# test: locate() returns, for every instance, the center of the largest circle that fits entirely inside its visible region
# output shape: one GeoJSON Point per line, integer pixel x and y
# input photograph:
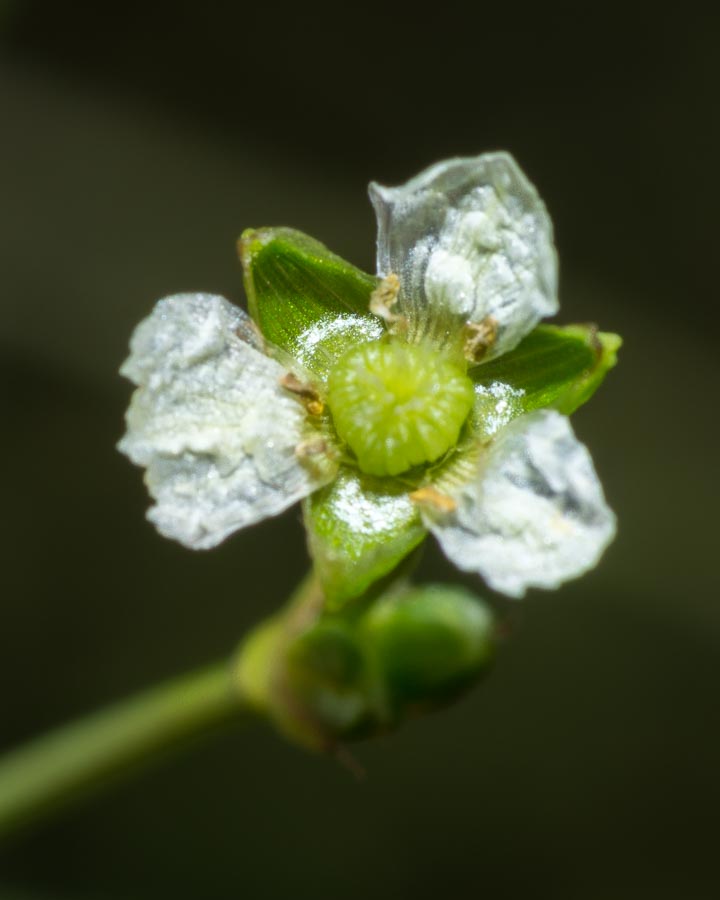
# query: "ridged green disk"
{"type": "Point", "coordinates": [397, 405]}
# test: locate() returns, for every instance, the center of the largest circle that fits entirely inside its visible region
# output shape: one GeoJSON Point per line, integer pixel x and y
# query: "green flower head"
{"type": "Point", "coordinates": [427, 398]}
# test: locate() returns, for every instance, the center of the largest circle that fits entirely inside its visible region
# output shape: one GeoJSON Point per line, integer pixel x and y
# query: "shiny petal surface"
{"type": "Point", "coordinates": [534, 515]}
{"type": "Point", "coordinates": [211, 423]}
{"type": "Point", "coordinates": [471, 241]}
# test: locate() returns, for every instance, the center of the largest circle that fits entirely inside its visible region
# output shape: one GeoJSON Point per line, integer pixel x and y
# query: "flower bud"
{"type": "Point", "coordinates": [323, 678]}
{"type": "Point", "coordinates": [326, 670]}
{"type": "Point", "coordinates": [428, 644]}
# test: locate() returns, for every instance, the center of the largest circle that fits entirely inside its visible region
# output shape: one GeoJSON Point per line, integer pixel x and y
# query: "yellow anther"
{"type": "Point", "coordinates": [431, 498]}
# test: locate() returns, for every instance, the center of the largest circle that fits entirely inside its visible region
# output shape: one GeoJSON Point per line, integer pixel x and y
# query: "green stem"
{"type": "Point", "coordinates": [47, 773]}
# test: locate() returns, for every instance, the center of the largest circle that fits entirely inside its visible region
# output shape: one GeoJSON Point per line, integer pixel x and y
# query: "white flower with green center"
{"type": "Point", "coordinates": [425, 399]}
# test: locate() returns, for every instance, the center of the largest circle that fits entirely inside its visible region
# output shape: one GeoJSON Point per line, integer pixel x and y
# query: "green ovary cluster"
{"type": "Point", "coordinates": [397, 405]}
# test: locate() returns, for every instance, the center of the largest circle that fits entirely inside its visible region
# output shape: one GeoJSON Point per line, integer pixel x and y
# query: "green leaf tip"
{"type": "Point", "coordinates": [558, 367]}
{"type": "Point", "coordinates": [603, 345]}
{"type": "Point", "coordinates": [306, 300]}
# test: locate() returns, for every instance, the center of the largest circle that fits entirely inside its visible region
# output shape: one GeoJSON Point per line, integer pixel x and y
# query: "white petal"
{"type": "Point", "coordinates": [211, 423]}
{"type": "Point", "coordinates": [468, 238]}
{"type": "Point", "coordinates": [535, 514]}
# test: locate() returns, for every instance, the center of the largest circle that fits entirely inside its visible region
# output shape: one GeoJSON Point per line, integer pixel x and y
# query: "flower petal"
{"type": "Point", "coordinates": [471, 241]}
{"type": "Point", "coordinates": [213, 426]}
{"type": "Point", "coordinates": [534, 515]}
{"type": "Point", "coordinates": [306, 300]}
{"type": "Point", "coordinates": [359, 528]}
{"type": "Point", "coordinates": [552, 367]}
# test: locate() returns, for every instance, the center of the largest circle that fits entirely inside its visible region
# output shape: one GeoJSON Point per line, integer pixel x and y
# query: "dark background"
{"type": "Point", "coordinates": [136, 141]}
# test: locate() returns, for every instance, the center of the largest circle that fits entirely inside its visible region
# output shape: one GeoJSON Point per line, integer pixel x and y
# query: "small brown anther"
{"type": "Point", "coordinates": [382, 300]}
{"type": "Point", "coordinates": [479, 338]}
{"type": "Point", "coordinates": [307, 393]}
{"type": "Point", "coordinates": [311, 447]}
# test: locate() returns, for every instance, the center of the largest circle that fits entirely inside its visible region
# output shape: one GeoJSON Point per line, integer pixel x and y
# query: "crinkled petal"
{"type": "Point", "coordinates": [213, 426]}
{"type": "Point", "coordinates": [471, 241]}
{"type": "Point", "coordinates": [534, 515]}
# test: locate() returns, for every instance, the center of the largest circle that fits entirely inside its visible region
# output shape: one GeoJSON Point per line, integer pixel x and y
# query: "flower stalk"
{"type": "Point", "coordinates": [57, 769]}
{"type": "Point", "coordinates": [65, 765]}
{"type": "Point", "coordinates": [321, 679]}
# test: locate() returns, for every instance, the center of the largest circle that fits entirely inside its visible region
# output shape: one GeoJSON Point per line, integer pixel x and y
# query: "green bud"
{"type": "Point", "coordinates": [326, 669]}
{"type": "Point", "coordinates": [306, 672]}
{"type": "Point", "coordinates": [328, 652]}
{"type": "Point", "coordinates": [429, 644]}
{"type": "Point", "coordinates": [323, 678]}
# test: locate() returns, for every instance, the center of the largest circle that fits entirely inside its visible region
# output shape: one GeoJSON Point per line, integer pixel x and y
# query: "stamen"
{"type": "Point", "coordinates": [479, 338]}
{"type": "Point", "coordinates": [382, 300]}
{"type": "Point", "coordinates": [432, 498]}
{"type": "Point", "coordinates": [307, 393]}
{"type": "Point", "coordinates": [311, 447]}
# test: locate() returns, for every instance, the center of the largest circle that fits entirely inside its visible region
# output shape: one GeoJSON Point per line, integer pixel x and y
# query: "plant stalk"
{"type": "Point", "coordinates": [47, 773]}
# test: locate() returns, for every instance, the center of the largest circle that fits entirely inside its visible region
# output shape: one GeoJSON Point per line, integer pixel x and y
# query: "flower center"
{"type": "Point", "coordinates": [397, 405]}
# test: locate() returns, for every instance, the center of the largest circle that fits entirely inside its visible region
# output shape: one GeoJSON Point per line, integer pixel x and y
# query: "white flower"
{"type": "Point", "coordinates": [229, 438]}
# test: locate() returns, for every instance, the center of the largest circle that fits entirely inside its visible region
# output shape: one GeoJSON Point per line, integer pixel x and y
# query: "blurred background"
{"type": "Point", "coordinates": [136, 141]}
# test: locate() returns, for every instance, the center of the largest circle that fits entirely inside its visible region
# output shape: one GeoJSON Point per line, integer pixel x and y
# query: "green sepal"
{"type": "Point", "coordinates": [359, 529]}
{"type": "Point", "coordinates": [553, 367]}
{"type": "Point", "coordinates": [306, 300]}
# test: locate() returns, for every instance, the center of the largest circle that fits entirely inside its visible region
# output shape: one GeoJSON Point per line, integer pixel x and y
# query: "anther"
{"type": "Point", "coordinates": [431, 498]}
{"type": "Point", "coordinates": [479, 338]}
{"type": "Point", "coordinates": [382, 300]}
{"type": "Point", "coordinates": [311, 447]}
{"type": "Point", "coordinates": [307, 393]}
